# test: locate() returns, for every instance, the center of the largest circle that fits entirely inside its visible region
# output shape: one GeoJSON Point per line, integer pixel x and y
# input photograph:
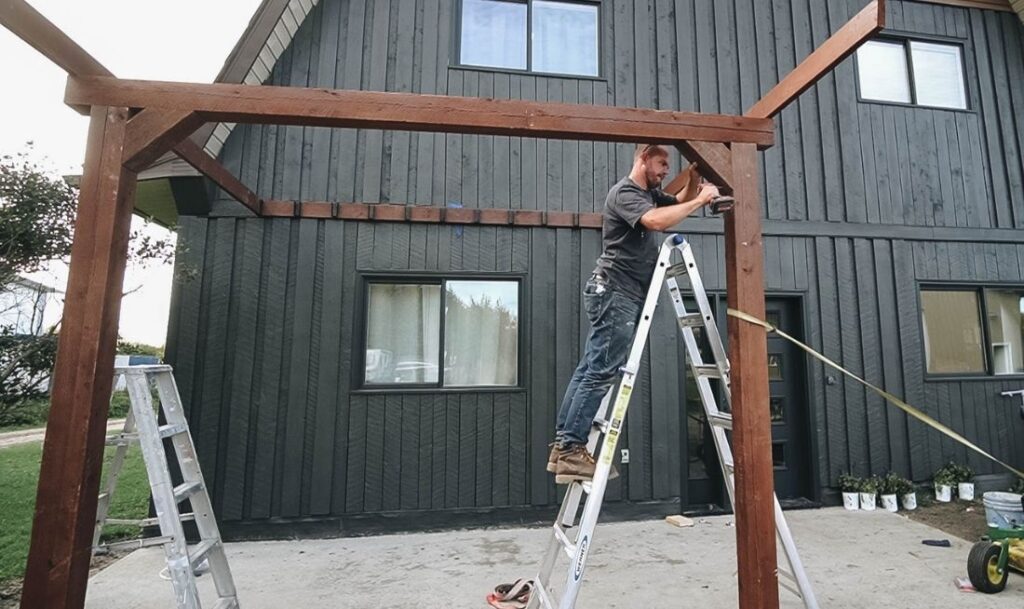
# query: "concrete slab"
{"type": "Point", "coordinates": [859, 559]}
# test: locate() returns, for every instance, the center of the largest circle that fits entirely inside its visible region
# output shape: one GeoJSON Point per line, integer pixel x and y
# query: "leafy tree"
{"type": "Point", "coordinates": [37, 212]}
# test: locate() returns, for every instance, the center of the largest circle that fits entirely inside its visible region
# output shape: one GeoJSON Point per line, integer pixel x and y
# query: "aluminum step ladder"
{"type": "Point", "coordinates": [576, 544]}
{"type": "Point", "coordinates": [184, 562]}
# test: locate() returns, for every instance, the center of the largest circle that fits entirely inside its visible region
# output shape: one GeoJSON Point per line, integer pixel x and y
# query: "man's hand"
{"type": "Point", "coordinates": [708, 193]}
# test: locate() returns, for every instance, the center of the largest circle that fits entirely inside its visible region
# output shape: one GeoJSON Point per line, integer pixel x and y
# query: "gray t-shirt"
{"type": "Point", "coordinates": [630, 251]}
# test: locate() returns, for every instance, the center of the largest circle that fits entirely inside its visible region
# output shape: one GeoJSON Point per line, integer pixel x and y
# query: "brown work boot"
{"type": "Point", "coordinates": [575, 463]}
{"type": "Point", "coordinates": [553, 457]}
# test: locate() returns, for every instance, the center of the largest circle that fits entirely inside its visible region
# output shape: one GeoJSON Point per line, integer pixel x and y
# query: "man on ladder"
{"type": "Point", "coordinates": [614, 295]}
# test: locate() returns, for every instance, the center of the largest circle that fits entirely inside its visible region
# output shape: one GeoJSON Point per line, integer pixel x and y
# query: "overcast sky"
{"type": "Point", "coordinates": [186, 40]}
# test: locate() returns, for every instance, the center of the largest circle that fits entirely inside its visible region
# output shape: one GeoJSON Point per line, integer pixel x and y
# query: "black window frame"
{"type": "Point", "coordinates": [978, 288]}
{"type": "Point", "coordinates": [905, 40]}
{"type": "Point", "coordinates": [457, 42]}
{"type": "Point", "coordinates": [440, 279]}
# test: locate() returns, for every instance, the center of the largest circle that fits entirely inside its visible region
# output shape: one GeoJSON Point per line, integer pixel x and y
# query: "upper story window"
{"type": "Point", "coordinates": [442, 333]}
{"type": "Point", "coordinates": [973, 330]}
{"type": "Point", "coordinates": [531, 35]}
{"type": "Point", "coordinates": [912, 72]}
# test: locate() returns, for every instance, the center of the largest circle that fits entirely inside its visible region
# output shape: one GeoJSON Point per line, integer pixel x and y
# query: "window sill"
{"type": "Point", "coordinates": [958, 378]}
{"type": "Point", "coordinates": [880, 102]}
{"type": "Point", "coordinates": [526, 73]}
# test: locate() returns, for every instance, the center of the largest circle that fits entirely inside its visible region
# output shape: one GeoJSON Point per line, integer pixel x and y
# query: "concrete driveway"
{"type": "Point", "coordinates": [860, 559]}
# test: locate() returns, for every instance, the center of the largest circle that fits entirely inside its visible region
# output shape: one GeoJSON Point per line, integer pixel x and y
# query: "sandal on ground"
{"type": "Point", "coordinates": [511, 596]}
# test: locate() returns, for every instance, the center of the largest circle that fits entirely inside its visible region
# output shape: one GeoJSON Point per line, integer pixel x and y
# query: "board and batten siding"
{"type": "Point", "coordinates": [266, 325]}
{"type": "Point", "coordinates": [836, 159]}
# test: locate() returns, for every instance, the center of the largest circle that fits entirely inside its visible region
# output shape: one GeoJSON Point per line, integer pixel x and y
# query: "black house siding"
{"type": "Point", "coordinates": [863, 203]}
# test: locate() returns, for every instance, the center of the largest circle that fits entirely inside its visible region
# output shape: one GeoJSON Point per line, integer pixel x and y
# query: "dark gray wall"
{"type": "Point", "coordinates": [837, 159]}
{"type": "Point", "coordinates": [856, 196]}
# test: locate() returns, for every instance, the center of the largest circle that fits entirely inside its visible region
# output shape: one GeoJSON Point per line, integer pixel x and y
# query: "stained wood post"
{"type": "Point", "coordinates": [748, 354]}
{"type": "Point", "coordinates": [69, 479]}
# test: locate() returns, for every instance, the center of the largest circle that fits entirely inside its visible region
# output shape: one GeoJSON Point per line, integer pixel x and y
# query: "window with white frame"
{"type": "Point", "coordinates": [912, 72]}
{"type": "Point", "coordinates": [531, 35]}
{"type": "Point", "coordinates": [973, 330]}
{"type": "Point", "coordinates": [469, 325]}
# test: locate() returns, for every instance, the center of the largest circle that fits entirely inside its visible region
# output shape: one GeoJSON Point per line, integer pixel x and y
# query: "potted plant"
{"type": "Point", "coordinates": [868, 488]}
{"type": "Point", "coordinates": [850, 486]}
{"type": "Point", "coordinates": [944, 481]}
{"type": "Point", "coordinates": [889, 488]}
{"type": "Point", "coordinates": [964, 481]}
{"type": "Point", "coordinates": [907, 494]}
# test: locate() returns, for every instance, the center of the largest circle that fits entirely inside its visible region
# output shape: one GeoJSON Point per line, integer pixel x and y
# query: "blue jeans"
{"type": "Point", "coordinates": [613, 316]}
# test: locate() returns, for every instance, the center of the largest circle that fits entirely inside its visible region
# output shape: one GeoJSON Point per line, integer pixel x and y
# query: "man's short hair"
{"type": "Point", "coordinates": [648, 150]}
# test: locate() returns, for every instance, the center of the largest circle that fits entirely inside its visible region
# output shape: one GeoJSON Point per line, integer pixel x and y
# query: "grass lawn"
{"type": "Point", "coordinates": [19, 471]}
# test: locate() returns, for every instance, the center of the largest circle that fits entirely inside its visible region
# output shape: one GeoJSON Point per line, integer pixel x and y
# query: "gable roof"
{"type": "Point", "coordinates": [1018, 5]}
{"type": "Point", "coordinates": [268, 34]}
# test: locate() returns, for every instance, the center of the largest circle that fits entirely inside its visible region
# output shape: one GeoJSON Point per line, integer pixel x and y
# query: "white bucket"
{"type": "Point", "coordinates": [1003, 510]}
{"type": "Point", "coordinates": [943, 493]}
{"type": "Point", "coordinates": [910, 501]}
{"type": "Point", "coordinates": [890, 503]}
{"type": "Point", "coordinates": [965, 490]}
{"type": "Point", "coordinates": [850, 501]}
{"type": "Point", "coordinates": [867, 501]}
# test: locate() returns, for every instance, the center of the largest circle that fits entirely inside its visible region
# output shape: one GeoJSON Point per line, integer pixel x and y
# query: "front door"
{"type": "Point", "coordinates": [787, 407]}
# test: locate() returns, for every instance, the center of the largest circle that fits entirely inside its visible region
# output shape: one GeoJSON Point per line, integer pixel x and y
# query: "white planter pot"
{"type": "Point", "coordinates": [910, 501]}
{"type": "Point", "coordinates": [850, 501]}
{"type": "Point", "coordinates": [867, 501]}
{"type": "Point", "coordinates": [965, 490]}
{"type": "Point", "coordinates": [943, 493]}
{"type": "Point", "coordinates": [890, 503]}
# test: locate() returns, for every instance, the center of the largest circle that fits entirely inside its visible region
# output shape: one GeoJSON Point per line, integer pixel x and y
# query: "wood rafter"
{"type": "Point", "coordinates": [838, 47]}
{"type": "Point", "coordinates": [416, 112]}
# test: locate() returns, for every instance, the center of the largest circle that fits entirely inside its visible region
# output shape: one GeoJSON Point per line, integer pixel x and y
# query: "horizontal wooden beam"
{"type": "Point", "coordinates": [191, 153]}
{"type": "Point", "coordinates": [819, 63]}
{"type": "Point", "coordinates": [414, 112]}
{"type": "Point", "coordinates": [423, 214]}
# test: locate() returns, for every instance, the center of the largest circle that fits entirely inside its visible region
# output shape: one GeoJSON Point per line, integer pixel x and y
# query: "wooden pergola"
{"type": "Point", "coordinates": [133, 122]}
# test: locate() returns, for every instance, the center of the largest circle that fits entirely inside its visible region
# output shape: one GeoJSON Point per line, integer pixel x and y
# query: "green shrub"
{"type": "Point", "coordinates": [848, 483]}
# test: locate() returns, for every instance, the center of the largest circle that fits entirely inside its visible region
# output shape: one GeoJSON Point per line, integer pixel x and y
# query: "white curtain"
{"type": "Point", "coordinates": [403, 333]}
{"type": "Point", "coordinates": [481, 333]}
{"type": "Point", "coordinates": [493, 34]}
{"type": "Point", "coordinates": [565, 38]}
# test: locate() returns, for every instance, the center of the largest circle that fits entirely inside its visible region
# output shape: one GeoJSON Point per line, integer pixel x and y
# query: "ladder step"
{"type": "Point", "coordinates": [676, 270]}
{"type": "Point", "coordinates": [710, 371]}
{"type": "Point", "coordinates": [147, 522]}
{"type": "Point", "coordinates": [721, 419]}
{"type": "Point", "coordinates": [122, 439]}
{"type": "Point", "coordinates": [198, 553]}
{"type": "Point", "coordinates": [167, 431]}
{"type": "Point", "coordinates": [601, 424]}
{"type": "Point", "coordinates": [691, 320]}
{"type": "Point", "coordinates": [228, 602]}
{"type": "Point", "coordinates": [567, 545]}
{"type": "Point", "coordinates": [186, 489]}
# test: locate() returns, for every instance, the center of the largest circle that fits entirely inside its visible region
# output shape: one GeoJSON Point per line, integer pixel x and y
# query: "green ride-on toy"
{"type": "Point", "coordinates": [989, 562]}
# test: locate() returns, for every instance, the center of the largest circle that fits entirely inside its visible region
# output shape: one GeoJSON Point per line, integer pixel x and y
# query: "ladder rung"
{"type": "Point", "coordinates": [228, 602]}
{"type": "Point", "coordinates": [147, 522]}
{"type": "Point", "coordinates": [184, 490]}
{"type": "Point", "coordinates": [198, 553]}
{"type": "Point", "coordinates": [676, 270]}
{"type": "Point", "coordinates": [166, 431]}
{"type": "Point", "coordinates": [568, 546]}
{"type": "Point", "coordinates": [708, 370]}
{"type": "Point", "coordinates": [691, 320]}
{"type": "Point", "coordinates": [132, 544]}
{"type": "Point", "coordinates": [601, 424]}
{"type": "Point", "coordinates": [545, 598]}
{"type": "Point", "coordinates": [122, 439]}
{"type": "Point", "coordinates": [722, 419]}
